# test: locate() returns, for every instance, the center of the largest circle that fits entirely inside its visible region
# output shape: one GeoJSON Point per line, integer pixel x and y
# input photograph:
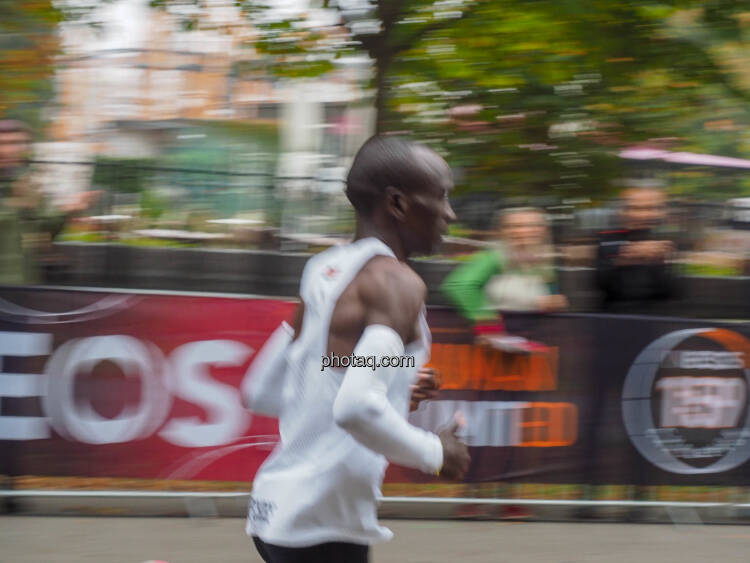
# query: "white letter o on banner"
{"type": "Point", "coordinates": [78, 420]}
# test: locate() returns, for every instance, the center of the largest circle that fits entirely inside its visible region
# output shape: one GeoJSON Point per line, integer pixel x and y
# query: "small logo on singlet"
{"type": "Point", "coordinates": [260, 510]}
{"type": "Point", "coordinates": [330, 272]}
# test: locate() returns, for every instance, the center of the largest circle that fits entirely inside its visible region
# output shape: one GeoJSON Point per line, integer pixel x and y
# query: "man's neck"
{"type": "Point", "coordinates": [367, 229]}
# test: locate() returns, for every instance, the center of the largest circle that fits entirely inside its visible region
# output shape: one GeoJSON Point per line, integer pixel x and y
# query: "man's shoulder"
{"type": "Point", "coordinates": [385, 276]}
{"type": "Point", "coordinates": [391, 293]}
{"type": "Point", "coordinates": [321, 265]}
{"type": "Point", "coordinates": [322, 257]}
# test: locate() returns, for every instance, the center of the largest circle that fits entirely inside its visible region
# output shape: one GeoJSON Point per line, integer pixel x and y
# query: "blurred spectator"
{"type": "Point", "coordinates": [28, 225]}
{"type": "Point", "coordinates": [517, 274]}
{"type": "Point", "coordinates": [632, 266]}
{"type": "Point", "coordinates": [634, 274]}
{"type": "Point", "coordinates": [27, 228]}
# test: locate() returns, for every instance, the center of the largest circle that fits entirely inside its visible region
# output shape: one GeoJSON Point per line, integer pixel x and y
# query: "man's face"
{"type": "Point", "coordinates": [524, 229]}
{"type": "Point", "coordinates": [643, 209]}
{"type": "Point", "coordinates": [14, 147]}
{"type": "Point", "coordinates": [430, 211]}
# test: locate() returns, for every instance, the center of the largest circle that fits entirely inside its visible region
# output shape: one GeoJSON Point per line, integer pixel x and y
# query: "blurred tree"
{"type": "Point", "coordinates": [307, 43]}
{"type": "Point", "coordinates": [532, 98]}
{"type": "Point", "coordinates": [28, 45]}
{"type": "Point", "coordinates": [528, 98]}
{"type": "Point", "coordinates": [123, 175]}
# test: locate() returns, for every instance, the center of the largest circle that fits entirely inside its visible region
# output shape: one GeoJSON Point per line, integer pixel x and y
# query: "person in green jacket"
{"type": "Point", "coordinates": [517, 273]}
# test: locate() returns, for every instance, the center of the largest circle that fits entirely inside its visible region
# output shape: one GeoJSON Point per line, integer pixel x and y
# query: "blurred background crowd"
{"type": "Point", "coordinates": [600, 149]}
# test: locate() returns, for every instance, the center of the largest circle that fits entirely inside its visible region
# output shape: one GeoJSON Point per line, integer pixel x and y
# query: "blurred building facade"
{"type": "Point", "coordinates": [138, 97]}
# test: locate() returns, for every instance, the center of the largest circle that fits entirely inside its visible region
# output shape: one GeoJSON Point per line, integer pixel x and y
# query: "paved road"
{"type": "Point", "coordinates": [31, 539]}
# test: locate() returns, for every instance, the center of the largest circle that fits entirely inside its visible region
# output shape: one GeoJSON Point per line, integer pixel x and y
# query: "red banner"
{"type": "Point", "coordinates": [139, 386]}
{"type": "Point", "coordinates": [96, 384]}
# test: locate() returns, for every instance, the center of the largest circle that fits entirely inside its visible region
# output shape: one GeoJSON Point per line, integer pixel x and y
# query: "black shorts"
{"type": "Point", "coordinates": [332, 552]}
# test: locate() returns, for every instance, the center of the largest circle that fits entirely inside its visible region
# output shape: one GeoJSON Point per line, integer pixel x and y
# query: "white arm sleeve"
{"type": "Point", "coordinates": [362, 407]}
{"type": "Point", "coordinates": [263, 384]}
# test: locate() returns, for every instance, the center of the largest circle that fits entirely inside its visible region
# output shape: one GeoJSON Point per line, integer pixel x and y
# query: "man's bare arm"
{"type": "Point", "coordinates": [391, 298]}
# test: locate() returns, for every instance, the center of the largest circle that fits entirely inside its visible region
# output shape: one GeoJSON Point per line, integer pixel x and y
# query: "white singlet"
{"type": "Point", "coordinates": [319, 484]}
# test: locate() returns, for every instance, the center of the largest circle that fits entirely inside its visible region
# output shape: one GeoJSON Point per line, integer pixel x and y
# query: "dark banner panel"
{"type": "Point", "coordinates": [600, 400]}
{"type": "Point", "coordinates": [147, 386]}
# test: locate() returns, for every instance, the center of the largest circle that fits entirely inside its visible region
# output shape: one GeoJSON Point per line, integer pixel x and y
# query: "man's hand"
{"type": "Point", "coordinates": [455, 453]}
{"type": "Point", "coordinates": [426, 387]}
{"type": "Point", "coordinates": [549, 303]}
{"type": "Point", "coordinates": [644, 252]}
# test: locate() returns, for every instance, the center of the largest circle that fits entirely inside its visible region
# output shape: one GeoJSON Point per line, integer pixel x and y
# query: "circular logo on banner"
{"type": "Point", "coordinates": [685, 401]}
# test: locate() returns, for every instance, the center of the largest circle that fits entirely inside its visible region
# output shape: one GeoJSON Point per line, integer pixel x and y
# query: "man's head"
{"type": "Point", "coordinates": [402, 187]}
{"type": "Point", "coordinates": [14, 143]}
{"type": "Point", "coordinates": [643, 208]}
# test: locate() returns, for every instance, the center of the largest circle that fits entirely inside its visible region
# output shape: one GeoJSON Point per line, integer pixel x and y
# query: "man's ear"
{"type": "Point", "coordinates": [396, 203]}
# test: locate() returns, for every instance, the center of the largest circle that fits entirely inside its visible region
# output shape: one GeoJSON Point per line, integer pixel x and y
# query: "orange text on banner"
{"type": "Point", "coordinates": [547, 425]}
{"type": "Point", "coordinates": [470, 367]}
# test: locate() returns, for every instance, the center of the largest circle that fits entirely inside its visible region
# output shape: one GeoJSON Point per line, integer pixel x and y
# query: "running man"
{"type": "Point", "coordinates": [314, 498]}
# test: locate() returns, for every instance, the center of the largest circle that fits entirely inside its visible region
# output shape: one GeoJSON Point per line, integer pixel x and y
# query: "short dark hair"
{"type": "Point", "coordinates": [381, 162]}
{"type": "Point", "coordinates": [13, 126]}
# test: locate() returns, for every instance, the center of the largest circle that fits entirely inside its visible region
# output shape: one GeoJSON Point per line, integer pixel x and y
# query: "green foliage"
{"type": "Point", "coordinates": [709, 270]}
{"type": "Point", "coordinates": [458, 230]}
{"type": "Point", "coordinates": [122, 175]}
{"type": "Point", "coordinates": [152, 205]}
{"type": "Point", "coordinates": [558, 87]}
{"type": "Point", "coordinates": [100, 237]}
{"type": "Point", "coordinates": [550, 89]}
{"type": "Point", "coordinates": [152, 242]}
{"type": "Point", "coordinates": [28, 45]}
{"type": "Point", "coordinates": [92, 237]}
